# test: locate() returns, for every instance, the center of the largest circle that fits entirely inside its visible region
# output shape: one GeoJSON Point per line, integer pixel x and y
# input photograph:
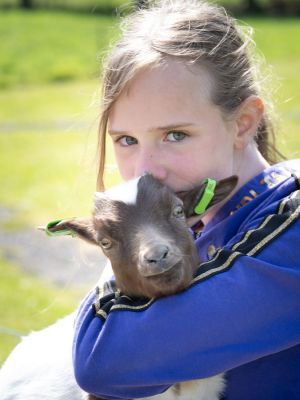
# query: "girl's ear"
{"type": "Point", "coordinates": [192, 197]}
{"type": "Point", "coordinates": [248, 118]}
{"type": "Point", "coordinates": [82, 227]}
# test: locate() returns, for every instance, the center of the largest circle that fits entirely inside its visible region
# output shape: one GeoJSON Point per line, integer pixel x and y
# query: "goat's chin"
{"type": "Point", "coordinates": [170, 282]}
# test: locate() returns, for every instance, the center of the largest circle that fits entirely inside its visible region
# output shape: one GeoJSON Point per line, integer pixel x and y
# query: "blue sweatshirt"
{"type": "Point", "coordinates": [241, 314]}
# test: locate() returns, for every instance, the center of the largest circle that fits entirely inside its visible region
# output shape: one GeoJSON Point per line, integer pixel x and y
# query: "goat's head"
{"type": "Point", "coordinates": [141, 227]}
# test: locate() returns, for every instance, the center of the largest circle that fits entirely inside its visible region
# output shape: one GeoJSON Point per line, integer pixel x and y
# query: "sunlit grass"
{"type": "Point", "coordinates": [26, 304]}
{"type": "Point", "coordinates": [48, 151]}
{"type": "Point", "coordinates": [278, 41]}
{"type": "Point", "coordinates": [47, 175]}
{"type": "Point", "coordinates": [45, 46]}
{"type": "Point", "coordinates": [42, 174]}
{"type": "Point", "coordinates": [50, 105]}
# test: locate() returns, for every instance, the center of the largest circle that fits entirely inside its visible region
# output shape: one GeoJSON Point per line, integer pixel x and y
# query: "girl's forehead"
{"type": "Point", "coordinates": [171, 87]}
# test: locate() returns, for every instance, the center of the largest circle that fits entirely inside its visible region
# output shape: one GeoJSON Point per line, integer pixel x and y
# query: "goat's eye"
{"type": "Point", "coordinates": [178, 211]}
{"type": "Point", "coordinates": [105, 243]}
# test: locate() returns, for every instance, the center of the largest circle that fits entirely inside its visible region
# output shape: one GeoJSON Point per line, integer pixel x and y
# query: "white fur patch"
{"type": "Point", "coordinates": [125, 192]}
{"type": "Point", "coordinates": [40, 367]}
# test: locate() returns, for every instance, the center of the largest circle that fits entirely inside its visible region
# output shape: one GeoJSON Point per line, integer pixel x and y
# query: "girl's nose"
{"type": "Point", "coordinates": [151, 163]}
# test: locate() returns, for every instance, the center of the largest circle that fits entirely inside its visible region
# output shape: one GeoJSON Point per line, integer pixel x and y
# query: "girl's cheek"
{"type": "Point", "coordinates": [127, 166]}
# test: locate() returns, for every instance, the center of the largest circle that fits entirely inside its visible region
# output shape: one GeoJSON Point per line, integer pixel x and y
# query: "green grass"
{"type": "Point", "coordinates": [48, 157]}
{"type": "Point", "coordinates": [46, 175]}
{"type": "Point", "coordinates": [278, 40]}
{"type": "Point", "coordinates": [44, 46]}
{"type": "Point", "coordinates": [48, 171]}
{"type": "Point", "coordinates": [27, 304]}
{"type": "Point", "coordinates": [49, 105]}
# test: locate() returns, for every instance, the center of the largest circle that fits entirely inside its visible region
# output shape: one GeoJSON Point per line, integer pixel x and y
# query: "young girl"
{"type": "Point", "coordinates": [181, 101]}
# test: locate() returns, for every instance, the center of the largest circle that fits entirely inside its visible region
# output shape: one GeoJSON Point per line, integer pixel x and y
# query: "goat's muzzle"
{"type": "Point", "coordinates": [157, 260]}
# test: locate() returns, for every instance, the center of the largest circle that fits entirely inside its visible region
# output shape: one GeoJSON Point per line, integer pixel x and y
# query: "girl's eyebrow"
{"type": "Point", "coordinates": [168, 127]}
{"type": "Point", "coordinates": [112, 133]}
{"type": "Point", "coordinates": [178, 125]}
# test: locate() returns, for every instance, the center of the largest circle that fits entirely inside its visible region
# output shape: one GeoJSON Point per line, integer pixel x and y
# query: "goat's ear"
{"type": "Point", "coordinates": [81, 227]}
{"type": "Point", "coordinates": [223, 189]}
{"type": "Point", "coordinates": [192, 197]}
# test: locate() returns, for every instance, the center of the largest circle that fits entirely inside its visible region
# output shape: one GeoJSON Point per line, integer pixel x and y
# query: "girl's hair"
{"type": "Point", "coordinates": [196, 33]}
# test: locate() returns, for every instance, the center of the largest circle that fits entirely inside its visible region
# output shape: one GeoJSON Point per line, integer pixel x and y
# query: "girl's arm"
{"type": "Point", "coordinates": [247, 309]}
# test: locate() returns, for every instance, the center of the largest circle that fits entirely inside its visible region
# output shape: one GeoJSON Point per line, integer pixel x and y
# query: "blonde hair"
{"type": "Point", "coordinates": [195, 32]}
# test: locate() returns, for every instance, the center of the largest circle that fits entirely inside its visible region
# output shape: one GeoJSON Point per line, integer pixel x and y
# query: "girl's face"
{"type": "Point", "coordinates": [165, 124]}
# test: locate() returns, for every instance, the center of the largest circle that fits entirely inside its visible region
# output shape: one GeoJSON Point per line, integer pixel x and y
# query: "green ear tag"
{"type": "Point", "coordinates": [57, 233]}
{"type": "Point", "coordinates": [207, 196]}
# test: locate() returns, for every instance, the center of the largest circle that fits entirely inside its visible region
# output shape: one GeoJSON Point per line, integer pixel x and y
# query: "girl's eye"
{"type": "Point", "coordinates": [176, 136]}
{"type": "Point", "coordinates": [127, 140]}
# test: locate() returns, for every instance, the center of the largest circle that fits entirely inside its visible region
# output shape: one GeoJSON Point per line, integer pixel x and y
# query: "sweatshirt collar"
{"type": "Point", "coordinates": [266, 180]}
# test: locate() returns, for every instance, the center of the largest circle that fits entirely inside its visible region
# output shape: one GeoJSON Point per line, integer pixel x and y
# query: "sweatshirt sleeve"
{"type": "Point", "coordinates": [243, 305]}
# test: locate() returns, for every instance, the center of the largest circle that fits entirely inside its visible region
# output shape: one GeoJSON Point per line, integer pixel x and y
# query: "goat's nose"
{"type": "Point", "coordinates": [155, 261]}
{"type": "Point", "coordinates": [156, 254]}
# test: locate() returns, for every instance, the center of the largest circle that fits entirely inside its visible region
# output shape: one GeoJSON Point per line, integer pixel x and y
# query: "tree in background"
{"type": "Point", "coordinates": [252, 6]}
{"type": "Point", "coordinates": [26, 4]}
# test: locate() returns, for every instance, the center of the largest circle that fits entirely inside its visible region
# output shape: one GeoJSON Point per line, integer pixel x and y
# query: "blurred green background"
{"type": "Point", "coordinates": [50, 63]}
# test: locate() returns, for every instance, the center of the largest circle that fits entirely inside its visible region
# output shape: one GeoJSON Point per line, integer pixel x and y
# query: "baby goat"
{"type": "Point", "coordinates": [141, 227]}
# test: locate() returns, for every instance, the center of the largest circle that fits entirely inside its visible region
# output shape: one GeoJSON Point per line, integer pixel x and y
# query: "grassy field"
{"type": "Point", "coordinates": [48, 117]}
{"type": "Point", "coordinates": [49, 105]}
{"type": "Point", "coordinates": [277, 40]}
{"type": "Point", "coordinates": [27, 304]}
{"type": "Point", "coordinates": [43, 46]}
